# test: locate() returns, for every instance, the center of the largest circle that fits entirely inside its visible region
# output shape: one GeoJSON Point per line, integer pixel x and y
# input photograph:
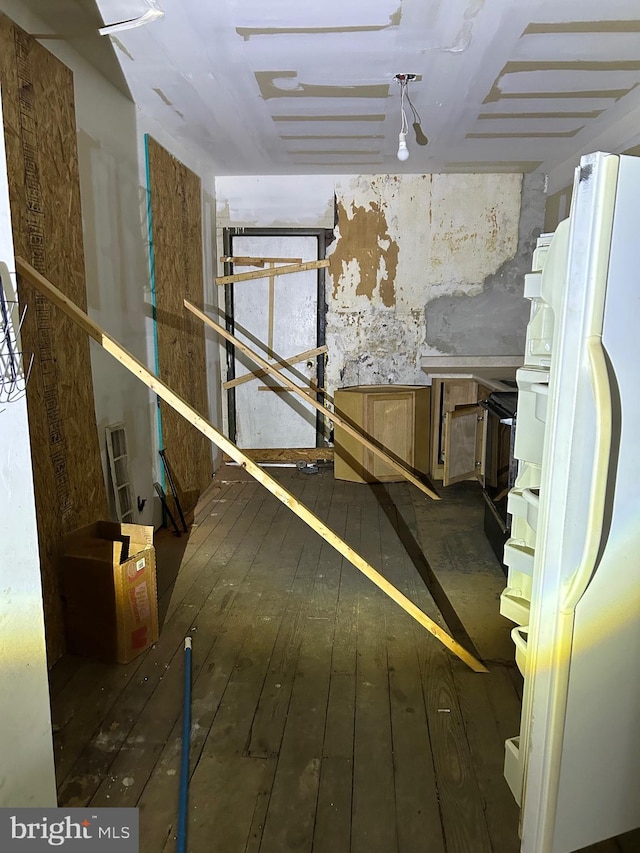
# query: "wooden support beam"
{"type": "Point", "coordinates": [287, 454]}
{"type": "Point", "coordinates": [257, 262]}
{"type": "Point", "coordinates": [251, 276]}
{"type": "Point", "coordinates": [183, 408]}
{"type": "Point", "coordinates": [272, 308]}
{"type": "Point", "coordinates": [280, 389]}
{"type": "Point", "coordinates": [309, 398]}
{"type": "Point", "coordinates": [283, 362]}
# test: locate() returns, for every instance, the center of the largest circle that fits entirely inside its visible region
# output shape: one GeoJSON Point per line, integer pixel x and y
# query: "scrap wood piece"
{"type": "Point", "coordinates": [257, 262]}
{"type": "Point", "coordinates": [251, 276]}
{"type": "Point", "coordinates": [207, 429]}
{"type": "Point", "coordinates": [309, 398]}
{"type": "Point", "coordinates": [286, 454]}
{"type": "Point", "coordinates": [280, 389]}
{"type": "Point", "coordinates": [281, 362]}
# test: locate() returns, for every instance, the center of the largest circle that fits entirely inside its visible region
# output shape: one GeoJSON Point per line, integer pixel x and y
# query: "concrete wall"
{"type": "Point", "coordinates": [421, 264]}
{"type": "Point", "coordinates": [26, 768]}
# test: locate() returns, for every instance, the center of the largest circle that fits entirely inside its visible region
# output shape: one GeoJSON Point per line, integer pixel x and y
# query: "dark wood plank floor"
{"type": "Point", "coordinates": [324, 718]}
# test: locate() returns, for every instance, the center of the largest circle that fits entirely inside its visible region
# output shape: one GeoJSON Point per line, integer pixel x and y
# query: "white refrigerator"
{"type": "Point", "coordinates": [573, 559]}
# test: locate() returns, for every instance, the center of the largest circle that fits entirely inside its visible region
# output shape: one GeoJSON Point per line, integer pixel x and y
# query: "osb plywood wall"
{"type": "Point", "coordinates": [176, 217]}
{"type": "Point", "coordinates": [44, 192]}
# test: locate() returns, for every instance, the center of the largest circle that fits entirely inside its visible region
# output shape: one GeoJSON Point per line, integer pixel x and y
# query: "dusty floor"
{"type": "Point", "coordinates": [324, 718]}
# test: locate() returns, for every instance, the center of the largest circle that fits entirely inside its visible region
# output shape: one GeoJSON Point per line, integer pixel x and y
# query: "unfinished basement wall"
{"type": "Point", "coordinates": [113, 188]}
{"type": "Point", "coordinates": [420, 265]}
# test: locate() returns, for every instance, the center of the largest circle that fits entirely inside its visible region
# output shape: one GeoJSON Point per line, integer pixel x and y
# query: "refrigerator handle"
{"type": "Point", "coordinates": [577, 584]}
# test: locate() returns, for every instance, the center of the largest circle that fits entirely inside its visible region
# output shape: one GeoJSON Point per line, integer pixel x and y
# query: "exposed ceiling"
{"type": "Point", "coordinates": [287, 86]}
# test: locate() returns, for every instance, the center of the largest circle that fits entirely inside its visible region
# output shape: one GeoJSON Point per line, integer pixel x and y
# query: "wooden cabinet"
{"type": "Point", "coordinates": [396, 416]}
{"type": "Point", "coordinates": [458, 430]}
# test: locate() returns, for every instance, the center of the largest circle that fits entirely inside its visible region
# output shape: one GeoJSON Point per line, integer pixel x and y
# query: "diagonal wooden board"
{"type": "Point", "coordinates": [283, 362]}
{"type": "Point", "coordinates": [252, 276]}
{"type": "Point", "coordinates": [155, 384]}
{"type": "Point", "coordinates": [242, 261]}
{"type": "Point", "coordinates": [308, 397]}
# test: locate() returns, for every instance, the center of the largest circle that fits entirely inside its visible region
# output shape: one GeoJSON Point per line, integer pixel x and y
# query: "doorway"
{"type": "Point", "coordinates": [282, 318]}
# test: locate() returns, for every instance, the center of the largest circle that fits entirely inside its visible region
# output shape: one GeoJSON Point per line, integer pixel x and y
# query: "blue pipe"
{"type": "Point", "coordinates": [181, 846]}
{"type": "Point", "coordinates": [154, 312]}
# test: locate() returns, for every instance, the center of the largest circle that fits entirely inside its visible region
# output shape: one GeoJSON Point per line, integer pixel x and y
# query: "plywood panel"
{"type": "Point", "coordinates": [44, 191]}
{"type": "Point", "coordinates": [177, 249]}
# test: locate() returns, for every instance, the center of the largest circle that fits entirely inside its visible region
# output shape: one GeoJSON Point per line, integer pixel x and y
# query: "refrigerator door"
{"type": "Point", "coordinates": [579, 741]}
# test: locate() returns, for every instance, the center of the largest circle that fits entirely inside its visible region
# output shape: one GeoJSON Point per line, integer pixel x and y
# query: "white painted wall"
{"type": "Point", "coordinates": [114, 204]}
{"type": "Point", "coordinates": [27, 775]}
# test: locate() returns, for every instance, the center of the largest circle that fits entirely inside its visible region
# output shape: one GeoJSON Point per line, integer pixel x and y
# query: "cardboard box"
{"type": "Point", "coordinates": [109, 590]}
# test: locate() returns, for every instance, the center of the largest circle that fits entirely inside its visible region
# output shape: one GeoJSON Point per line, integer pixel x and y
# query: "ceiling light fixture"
{"type": "Point", "coordinates": [152, 13]}
{"type": "Point", "coordinates": [403, 152]}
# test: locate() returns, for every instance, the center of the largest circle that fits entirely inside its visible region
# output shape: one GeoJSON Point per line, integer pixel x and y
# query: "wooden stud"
{"type": "Point", "coordinates": [251, 276]}
{"type": "Point", "coordinates": [257, 262]}
{"type": "Point", "coordinates": [287, 454]}
{"type": "Point", "coordinates": [182, 407]}
{"type": "Point", "coordinates": [279, 389]}
{"type": "Point", "coordinates": [284, 362]}
{"type": "Point", "coordinates": [272, 303]}
{"type": "Point", "coordinates": [309, 398]}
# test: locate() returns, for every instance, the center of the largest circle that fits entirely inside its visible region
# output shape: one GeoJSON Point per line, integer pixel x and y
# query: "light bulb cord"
{"type": "Point", "coordinates": [404, 124]}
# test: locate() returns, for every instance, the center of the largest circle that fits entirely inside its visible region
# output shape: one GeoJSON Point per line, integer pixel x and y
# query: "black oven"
{"type": "Point", "coordinates": [500, 466]}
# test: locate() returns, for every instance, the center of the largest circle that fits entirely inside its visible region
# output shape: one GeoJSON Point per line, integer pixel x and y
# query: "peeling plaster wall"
{"type": "Point", "coordinates": [428, 264]}
{"type": "Point", "coordinates": [421, 264]}
{"type": "Point", "coordinates": [492, 321]}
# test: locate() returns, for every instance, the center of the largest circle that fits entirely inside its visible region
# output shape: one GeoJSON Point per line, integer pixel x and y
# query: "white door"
{"type": "Point", "coordinates": [278, 318]}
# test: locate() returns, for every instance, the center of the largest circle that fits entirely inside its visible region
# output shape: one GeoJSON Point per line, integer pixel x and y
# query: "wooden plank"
{"type": "Point", "coordinates": [252, 276]}
{"type": "Point", "coordinates": [271, 311]}
{"type": "Point", "coordinates": [214, 435]}
{"type": "Point", "coordinates": [462, 815]}
{"type": "Point", "coordinates": [332, 831]}
{"type": "Point", "coordinates": [176, 227]}
{"type": "Point", "coordinates": [235, 625]}
{"type": "Point", "coordinates": [46, 221]}
{"type": "Point", "coordinates": [374, 828]}
{"type": "Point", "coordinates": [256, 262]}
{"type": "Point", "coordinates": [309, 398]}
{"type": "Point", "coordinates": [290, 819]}
{"type": "Point", "coordinates": [279, 390]}
{"type": "Point", "coordinates": [225, 790]}
{"type": "Point", "coordinates": [271, 713]}
{"type": "Point", "coordinates": [283, 362]}
{"type": "Point", "coordinates": [271, 577]}
{"type": "Point", "coordinates": [287, 454]}
{"type": "Point", "coordinates": [416, 790]}
{"type": "Point", "coordinates": [486, 745]}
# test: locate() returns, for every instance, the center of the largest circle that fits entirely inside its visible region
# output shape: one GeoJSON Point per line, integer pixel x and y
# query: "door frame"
{"type": "Point", "coordinates": [324, 237]}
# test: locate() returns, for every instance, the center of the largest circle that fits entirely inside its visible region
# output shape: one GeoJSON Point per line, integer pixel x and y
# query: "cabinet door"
{"type": "Point", "coordinates": [390, 420]}
{"type": "Point", "coordinates": [447, 395]}
{"type": "Point", "coordinates": [463, 431]}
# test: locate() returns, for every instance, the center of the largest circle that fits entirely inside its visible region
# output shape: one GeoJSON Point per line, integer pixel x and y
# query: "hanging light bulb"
{"type": "Point", "coordinates": [403, 81]}
{"type": "Point", "coordinates": [403, 151]}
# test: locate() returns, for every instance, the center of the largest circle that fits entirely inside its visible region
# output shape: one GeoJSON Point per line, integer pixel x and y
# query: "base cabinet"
{"type": "Point", "coordinates": [395, 416]}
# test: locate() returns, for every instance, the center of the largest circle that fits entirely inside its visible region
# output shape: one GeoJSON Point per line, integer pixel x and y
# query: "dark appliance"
{"type": "Point", "coordinates": [500, 467]}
